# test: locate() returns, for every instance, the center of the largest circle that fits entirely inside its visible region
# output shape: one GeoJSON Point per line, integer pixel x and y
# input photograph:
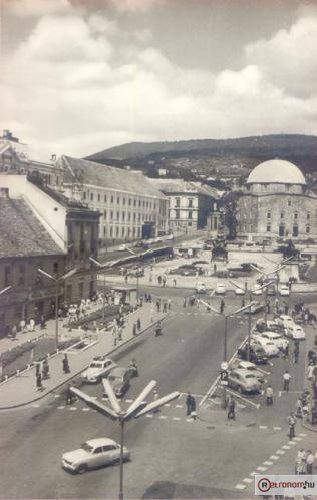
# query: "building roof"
{"type": "Point", "coordinates": [170, 186]}
{"type": "Point", "coordinates": [276, 172]}
{"type": "Point", "coordinates": [96, 174]}
{"type": "Point", "coordinates": [21, 233]}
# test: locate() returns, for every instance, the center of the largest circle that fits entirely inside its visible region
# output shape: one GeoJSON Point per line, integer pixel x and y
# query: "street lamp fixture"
{"type": "Point", "coordinates": [5, 290]}
{"type": "Point", "coordinates": [57, 281]}
{"type": "Point", "coordinates": [138, 408]}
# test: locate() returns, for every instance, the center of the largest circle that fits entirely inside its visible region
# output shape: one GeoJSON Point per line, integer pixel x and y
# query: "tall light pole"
{"type": "Point", "coordinates": [132, 252]}
{"type": "Point", "coordinates": [138, 408]}
{"type": "Point", "coordinates": [101, 266]}
{"type": "Point", "coordinates": [5, 290]}
{"type": "Point", "coordinates": [57, 281]}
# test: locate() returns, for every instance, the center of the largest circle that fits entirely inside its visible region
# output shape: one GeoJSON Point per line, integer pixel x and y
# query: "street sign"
{"type": "Point", "coordinates": [224, 377]}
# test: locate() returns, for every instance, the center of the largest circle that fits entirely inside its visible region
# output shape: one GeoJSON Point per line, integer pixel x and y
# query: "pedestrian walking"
{"type": "Point", "coordinates": [286, 381]}
{"type": "Point", "coordinates": [285, 351]}
{"type": "Point", "coordinates": [310, 458]}
{"type": "Point", "coordinates": [13, 332]}
{"type": "Point", "coordinates": [189, 403]}
{"type": "Point", "coordinates": [38, 377]}
{"type": "Point", "coordinates": [291, 426]}
{"type": "Point", "coordinates": [231, 409]}
{"type": "Point", "coordinates": [159, 280]}
{"type": "Point", "coordinates": [69, 395]}
{"type": "Point", "coordinates": [174, 282]}
{"type": "Point", "coordinates": [269, 395]}
{"type": "Point", "coordinates": [164, 281]}
{"type": "Point", "coordinates": [215, 268]}
{"type": "Point", "coordinates": [138, 324]}
{"type": "Point", "coordinates": [65, 363]}
{"type": "Point", "coordinates": [310, 371]}
{"type": "Point", "coordinates": [185, 302]}
{"type": "Point", "coordinates": [169, 302]}
{"type": "Point", "coordinates": [300, 464]}
{"type": "Point", "coordinates": [222, 306]}
{"type": "Point", "coordinates": [295, 356]}
{"type": "Point", "coordinates": [45, 370]}
{"type": "Point", "coordinates": [165, 307]}
{"type": "Point", "coordinates": [157, 303]}
{"type": "Point", "coordinates": [134, 332]}
{"type": "Point", "coordinates": [114, 336]}
{"type": "Point", "coordinates": [32, 325]}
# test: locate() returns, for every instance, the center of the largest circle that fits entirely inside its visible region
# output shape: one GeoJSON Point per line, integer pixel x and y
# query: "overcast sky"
{"type": "Point", "coordinates": [79, 76]}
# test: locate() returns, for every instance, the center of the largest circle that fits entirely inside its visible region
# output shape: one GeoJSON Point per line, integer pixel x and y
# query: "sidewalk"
{"type": "Point", "coordinates": [21, 390]}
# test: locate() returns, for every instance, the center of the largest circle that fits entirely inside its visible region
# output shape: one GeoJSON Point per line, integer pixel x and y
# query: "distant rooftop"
{"type": "Point", "coordinates": [89, 172]}
{"type": "Point", "coordinates": [21, 233]}
{"type": "Point", "coordinates": [180, 186]}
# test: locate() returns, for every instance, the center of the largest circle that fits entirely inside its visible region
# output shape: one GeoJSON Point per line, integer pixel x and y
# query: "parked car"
{"type": "Point", "coordinates": [243, 381]}
{"type": "Point", "coordinates": [269, 326]}
{"type": "Point", "coordinates": [99, 367]}
{"type": "Point", "coordinates": [201, 288]}
{"type": "Point", "coordinates": [93, 454]}
{"type": "Point", "coordinates": [220, 289]}
{"type": "Point", "coordinates": [239, 291]}
{"type": "Point", "coordinates": [251, 367]}
{"type": "Point", "coordinates": [295, 332]}
{"type": "Point", "coordinates": [281, 342]}
{"type": "Point", "coordinates": [285, 321]}
{"type": "Point", "coordinates": [284, 291]}
{"type": "Point", "coordinates": [269, 347]}
{"type": "Point", "coordinates": [257, 354]}
{"type": "Point", "coordinates": [199, 262]}
{"type": "Point", "coordinates": [119, 379]}
{"type": "Point", "coordinates": [122, 248]}
{"type": "Point", "coordinates": [255, 308]}
{"type": "Point", "coordinates": [257, 290]}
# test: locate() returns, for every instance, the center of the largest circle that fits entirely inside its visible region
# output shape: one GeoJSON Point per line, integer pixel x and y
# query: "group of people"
{"type": "Point", "coordinates": [304, 463]}
{"type": "Point", "coordinates": [42, 371]}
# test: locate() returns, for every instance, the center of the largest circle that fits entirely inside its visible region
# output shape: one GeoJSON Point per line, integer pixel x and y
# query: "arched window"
{"type": "Point", "coordinates": [295, 230]}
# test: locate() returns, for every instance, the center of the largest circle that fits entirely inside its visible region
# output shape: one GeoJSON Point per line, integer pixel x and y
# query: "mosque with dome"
{"type": "Point", "coordinates": [277, 204]}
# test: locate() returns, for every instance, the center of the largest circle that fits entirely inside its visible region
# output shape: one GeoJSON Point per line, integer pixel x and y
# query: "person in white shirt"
{"type": "Point", "coordinates": [286, 381]}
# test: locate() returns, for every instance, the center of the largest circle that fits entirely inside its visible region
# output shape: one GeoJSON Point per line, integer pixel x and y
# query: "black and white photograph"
{"type": "Point", "coordinates": [158, 249]}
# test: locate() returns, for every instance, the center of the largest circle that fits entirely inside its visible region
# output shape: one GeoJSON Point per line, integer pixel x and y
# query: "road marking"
{"type": "Point", "coordinates": [167, 404]}
{"type": "Point", "coordinates": [240, 486]}
{"type": "Point", "coordinates": [267, 462]}
{"type": "Point", "coordinates": [280, 452]}
{"type": "Point", "coordinates": [277, 428]}
{"type": "Point", "coordinates": [36, 405]}
{"type": "Point", "coordinates": [285, 447]}
{"type": "Point", "coordinates": [177, 418]}
{"type": "Point", "coordinates": [128, 400]}
{"type": "Point", "coordinates": [189, 420]}
{"type": "Point", "coordinates": [292, 443]}
{"type": "Point", "coordinates": [247, 480]}
{"type": "Point", "coordinates": [60, 407]}
{"type": "Point", "coordinates": [274, 457]}
{"type": "Point", "coordinates": [297, 439]}
{"type": "Point", "coordinates": [253, 473]}
{"type": "Point", "coordinates": [72, 408]}
{"type": "Point", "coordinates": [57, 395]}
{"type": "Point", "coordinates": [163, 417]}
{"type": "Point", "coordinates": [179, 406]}
{"type": "Point", "coordinates": [261, 469]}
{"type": "Point", "coordinates": [85, 409]}
{"type": "Point", "coordinates": [262, 427]}
{"type": "Point", "coordinates": [302, 434]}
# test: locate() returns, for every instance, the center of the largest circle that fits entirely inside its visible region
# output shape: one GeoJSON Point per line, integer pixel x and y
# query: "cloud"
{"type": "Point", "coordinates": [76, 86]}
{"type": "Point", "coordinates": [38, 8]}
{"type": "Point", "coordinates": [135, 5]}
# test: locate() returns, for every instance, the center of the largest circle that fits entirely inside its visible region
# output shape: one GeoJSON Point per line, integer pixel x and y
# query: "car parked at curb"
{"type": "Point", "coordinates": [295, 332]}
{"type": "Point", "coordinates": [93, 454]}
{"type": "Point", "coordinates": [99, 367]}
{"type": "Point", "coordinates": [284, 291]}
{"type": "Point", "coordinates": [281, 342]}
{"type": "Point", "coordinates": [269, 347]}
{"type": "Point", "coordinates": [220, 289]}
{"type": "Point", "coordinates": [255, 308]}
{"type": "Point", "coordinates": [251, 367]}
{"type": "Point", "coordinates": [239, 291]}
{"type": "Point", "coordinates": [119, 379]}
{"type": "Point", "coordinates": [285, 322]}
{"type": "Point", "coordinates": [243, 381]}
{"type": "Point", "coordinates": [257, 354]}
{"type": "Point", "coordinates": [201, 288]}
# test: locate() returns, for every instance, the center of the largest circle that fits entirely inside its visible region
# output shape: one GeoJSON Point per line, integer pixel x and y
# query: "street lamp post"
{"type": "Point", "coordinates": [57, 281]}
{"type": "Point", "coordinates": [5, 290]}
{"type": "Point", "coordinates": [137, 271]}
{"type": "Point", "coordinates": [137, 408]}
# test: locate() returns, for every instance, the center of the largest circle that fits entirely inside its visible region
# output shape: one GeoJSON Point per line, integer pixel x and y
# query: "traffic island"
{"type": "Point", "coordinates": [215, 416]}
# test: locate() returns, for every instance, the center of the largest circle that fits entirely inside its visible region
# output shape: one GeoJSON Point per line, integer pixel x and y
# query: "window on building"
{"type": "Point", "coordinates": [7, 276]}
{"type": "Point", "coordinates": [129, 201]}
{"type": "Point", "coordinates": [307, 229]}
{"type": "Point", "coordinates": [98, 197]}
{"type": "Point", "coordinates": [118, 199]}
{"type": "Point", "coordinates": [134, 216]}
{"type": "Point", "coordinates": [289, 203]}
{"type": "Point", "coordinates": [269, 215]}
{"type": "Point", "coordinates": [144, 204]}
{"type": "Point", "coordinates": [190, 202]}
{"type": "Point", "coordinates": [128, 232]}
{"type": "Point", "coordinates": [21, 280]}
{"type": "Point", "coordinates": [55, 268]}
{"type": "Point", "coordinates": [122, 232]}
{"type": "Point", "coordinates": [111, 215]}
{"type": "Point", "coordinates": [282, 215]}
{"type": "Point", "coordinates": [178, 202]}
{"type": "Point", "coordinates": [105, 214]}
{"type": "Point", "coordinates": [295, 230]}
{"type": "Point", "coordinates": [105, 198]}
{"type": "Point", "coordinates": [177, 214]}
{"type": "Point", "coordinates": [190, 224]}
{"type": "Point", "coordinates": [308, 216]}
{"type": "Point", "coordinates": [118, 215]}
{"type": "Point", "coordinates": [117, 231]}
{"type": "Point", "coordinates": [84, 195]}
{"type": "Point", "coordinates": [134, 202]}
{"type": "Point", "coordinates": [111, 198]}
{"type": "Point", "coordinates": [123, 201]}
{"type": "Point", "coordinates": [123, 215]}
{"type": "Point", "coordinates": [91, 196]}
{"type": "Point", "coordinates": [190, 214]}
{"type": "Point", "coordinates": [111, 231]}
{"type": "Point", "coordinates": [268, 228]}
{"type": "Point", "coordinates": [295, 215]}
{"type": "Point", "coordinates": [139, 203]}
{"type": "Point", "coordinates": [281, 230]}
{"type": "Point", "coordinates": [104, 230]}
{"type": "Point", "coordinates": [129, 216]}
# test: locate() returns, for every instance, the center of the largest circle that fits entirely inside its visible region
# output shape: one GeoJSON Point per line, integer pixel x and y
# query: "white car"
{"type": "Point", "coordinates": [201, 288]}
{"type": "Point", "coordinates": [269, 347]}
{"type": "Point", "coordinates": [93, 454]}
{"type": "Point", "coordinates": [284, 291]}
{"type": "Point", "coordinates": [99, 367]}
{"type": "Point", "coordinates": [281, 342]}
{"type": "Point", "coordinates": [295, 332]}
{"type": "Point", "coordinates": [220, 289]}
{"type": "Point", "coordinates": [251, 367]}
{"type": "Point", "coordinates": [122, 248]}
{"type": "Point", "coordinates": [257, 290]}
{"type": "Point", "coordinates": [285, 322]}
{"type": "Point", "coordinates": [239, 291]}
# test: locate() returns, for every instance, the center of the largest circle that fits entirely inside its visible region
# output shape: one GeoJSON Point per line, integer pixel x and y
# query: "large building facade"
{"type": "Point", "coordinates": [129, 205]}
{"type": "Point", "coordinates": [276, 204]}
{"type": "Point", "coordinates": [191, 203]}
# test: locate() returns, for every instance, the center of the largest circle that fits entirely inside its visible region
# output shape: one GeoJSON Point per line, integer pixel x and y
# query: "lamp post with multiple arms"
{"type": "Point", "coordinates": [138, 408]}
{"type": "Point", "coordinates": [5, 290]}
{"type": "Point", "coordinates": [101, 266]}
{"type": "Point", "coordinates": [57, 282]}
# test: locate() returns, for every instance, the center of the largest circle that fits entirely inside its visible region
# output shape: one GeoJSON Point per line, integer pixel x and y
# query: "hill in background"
{"type": "Point", "coordinates": [212, 157]}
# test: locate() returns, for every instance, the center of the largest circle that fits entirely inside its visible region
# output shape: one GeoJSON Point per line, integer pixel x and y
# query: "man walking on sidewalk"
{"type": "Point", "coordinates": [286, 381]}
{"type": "Point", "coordinates": [269, 396]}
{"type": "Point", "coordinates": [231, 409]}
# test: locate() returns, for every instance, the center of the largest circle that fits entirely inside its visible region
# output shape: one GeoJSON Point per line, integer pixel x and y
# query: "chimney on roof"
{"type": "Point", "coordinates": [4, 192]}
{"type": "Point", "coordinates": [53, 157]}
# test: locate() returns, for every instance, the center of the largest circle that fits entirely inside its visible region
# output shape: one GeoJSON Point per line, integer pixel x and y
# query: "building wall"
{"type": "Point", "coordinates": [122, 213]}
{"type": "Point", "coordinates": [31, 294]}
{"type": "Point", "coordinates": [278, 215]}
{"type": "Point", "coordinates": [183, 212]}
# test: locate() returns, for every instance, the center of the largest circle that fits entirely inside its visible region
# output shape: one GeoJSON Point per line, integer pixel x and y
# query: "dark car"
{"type": "Point", "coordinates": [255, 308]}
{"type": "Point", "coordinates": [187, 270]}
{"type": "Point", "coordinates": [257, 354]}
{"type": "Point", "coordinates": [119, 379]}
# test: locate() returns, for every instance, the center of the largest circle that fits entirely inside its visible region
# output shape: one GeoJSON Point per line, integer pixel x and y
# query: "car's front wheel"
{"type": "Point", "coordinates": [82, 469]}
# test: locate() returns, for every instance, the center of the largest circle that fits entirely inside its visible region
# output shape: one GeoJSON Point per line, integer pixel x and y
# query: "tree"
{"type": "Point", "coordinates": [230, 217]}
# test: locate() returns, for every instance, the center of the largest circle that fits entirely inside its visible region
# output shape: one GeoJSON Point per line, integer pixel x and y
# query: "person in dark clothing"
{"type": "Point", "coordinates": [37, 369]}
{"type": "Point", "coordinates": [66, 368]}
{"type": "Point", "coordinates": [134, 330]}
{"type": "Point", "coordinates": [222, 306]}
{"type": "Point", "coordinates": [191, 404]}
{"type": "Point", "coordinates": [231, 409]}
{"type": "Point", "coordinates": [45, 370]}
{"type": "Point", "coordinates": [138, 324]}
{"type": "Point", "coordinates": [69, 396]}
{"type": "Point", "coordinates": [39, 386]}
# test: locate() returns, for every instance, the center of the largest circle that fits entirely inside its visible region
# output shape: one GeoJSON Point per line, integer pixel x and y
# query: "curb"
{"type": "Point", "coordinates": [309, 427]}
{"type": "Point", "coordinates": [73, 375]}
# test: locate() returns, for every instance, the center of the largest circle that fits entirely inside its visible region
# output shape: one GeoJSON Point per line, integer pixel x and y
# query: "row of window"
{"type": "Point", "coordinates": [282, 230]}
{"type": "Point", "coordinates": [190, 202]}
{"type": "Point", "coordinates": [20, 274]}
{"type": "Point", "coordinates": [178, 214]}
{"type": "Point", "coordinates": [282, 215]}
{"type": "Point", "coordinates": [127, 216]}
{"type": "Point", "coordinates": [111, 198]}
{"type": "Point", "coordinates": [123, 232]}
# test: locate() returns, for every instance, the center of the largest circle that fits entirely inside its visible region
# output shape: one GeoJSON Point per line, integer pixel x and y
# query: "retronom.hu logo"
{"type": "Point", "coordinates": [285, 484]}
